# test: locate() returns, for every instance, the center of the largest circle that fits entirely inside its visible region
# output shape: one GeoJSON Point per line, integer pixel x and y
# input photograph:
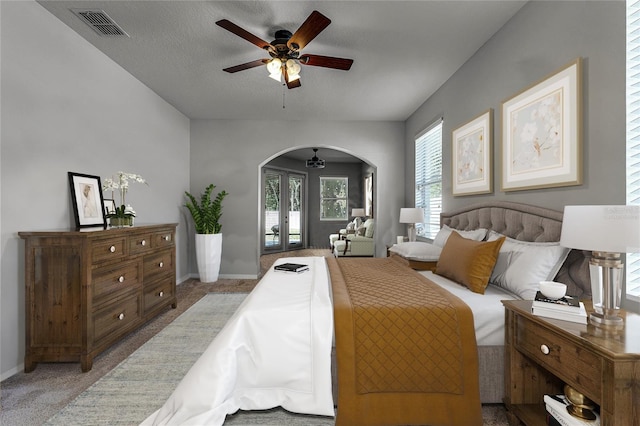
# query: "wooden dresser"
{"type": "Point", "coordinates": [544, 354]}
{"type": "Point", "coordinates": [85, 290]}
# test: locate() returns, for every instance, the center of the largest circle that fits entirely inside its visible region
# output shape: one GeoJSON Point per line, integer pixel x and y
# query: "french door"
{"type": "Point", "coordinates": [283, 220]}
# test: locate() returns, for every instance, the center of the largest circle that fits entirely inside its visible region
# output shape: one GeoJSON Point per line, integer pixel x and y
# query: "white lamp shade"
{"type": "Point", "coordinates": [614, 229]}
{"type": "Point", "coordinates": [411, 215]}
{"type": "Point", "coordinates": [357, 212]}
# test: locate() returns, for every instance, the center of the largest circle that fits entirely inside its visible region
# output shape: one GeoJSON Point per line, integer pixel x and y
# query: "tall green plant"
{"type": "Point", "coordinates": [206, 214]}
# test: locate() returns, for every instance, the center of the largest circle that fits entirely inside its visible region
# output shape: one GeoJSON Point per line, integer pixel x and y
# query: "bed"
{"type": "Point", "coordinates": [276, 350]}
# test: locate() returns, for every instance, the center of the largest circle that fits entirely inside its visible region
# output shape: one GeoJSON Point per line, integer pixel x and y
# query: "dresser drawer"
{"type": "Point", "coordinates": [107, 250]}
{"type": "Point", "coordinates": [117, 318]}
{"type": "Point", "coordinates": [163, 239]}
{"type": "Point", "coordinates": [140, 243]}
{"type": "Point", "coordinates": [158, 264]}
{"type": "Point", "coordinates": [158, 293]}
{"type": "Point", "coordinates": [115, 278]}
{"type": "Point", "coordinates": [568, 361]}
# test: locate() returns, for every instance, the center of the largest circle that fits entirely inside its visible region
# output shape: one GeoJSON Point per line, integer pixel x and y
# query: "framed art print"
{"type": "Point", "coordinates": [471, 156]}
{"type": "Point", "coordinates": [541, 133]}
{"type": "Point", "coordinates": [88, 204]}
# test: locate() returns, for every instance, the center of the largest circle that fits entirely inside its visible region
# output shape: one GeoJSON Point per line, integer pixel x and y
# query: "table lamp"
{"type": "Point", "coordinates": [607, 231]}
{"type": "Point", "coordinates": [357, 214]}
{"type": "Point", "coordinates": [411, 216]}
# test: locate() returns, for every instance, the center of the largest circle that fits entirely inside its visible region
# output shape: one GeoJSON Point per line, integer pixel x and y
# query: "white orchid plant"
{"type": "Point", "coordinates": [121, 184]}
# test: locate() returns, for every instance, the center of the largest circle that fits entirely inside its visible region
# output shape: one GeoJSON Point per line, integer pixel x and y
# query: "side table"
{"type": "Point", "coordinates": [543, 354]}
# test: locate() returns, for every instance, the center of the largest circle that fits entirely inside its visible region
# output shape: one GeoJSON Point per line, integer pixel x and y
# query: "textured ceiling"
{"type": "Point", "coordinates": [403, 51]}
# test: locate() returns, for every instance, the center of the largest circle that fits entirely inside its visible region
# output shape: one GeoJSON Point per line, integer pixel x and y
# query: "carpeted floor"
{"type": "Point", "coordinates": [31, 399]}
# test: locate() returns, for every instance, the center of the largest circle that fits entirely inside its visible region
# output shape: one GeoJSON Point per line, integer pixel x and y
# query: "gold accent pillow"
{"type": "Point", "coordinates": [468, 262]}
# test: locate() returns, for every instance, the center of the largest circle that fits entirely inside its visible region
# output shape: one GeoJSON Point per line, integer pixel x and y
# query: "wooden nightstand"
{"type": "Point", "coordinates": [543, 354]}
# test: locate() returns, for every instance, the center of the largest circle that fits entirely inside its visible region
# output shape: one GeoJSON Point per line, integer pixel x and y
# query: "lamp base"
{"type": "Point", "coordinates": [602, 319]}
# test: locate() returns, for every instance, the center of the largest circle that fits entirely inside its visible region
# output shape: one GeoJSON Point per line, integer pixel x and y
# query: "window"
{"type": "Point", "coordinates": [633, 136]}
{"type": "Point", "coordinates": [429, 178]}
{"type": "Point", "coordinates": [334, 196]}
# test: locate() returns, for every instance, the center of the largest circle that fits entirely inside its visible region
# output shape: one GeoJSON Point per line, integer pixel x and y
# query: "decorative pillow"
{"type": "Point", "coordinates": [417, 251]}
{"type": "Point", "coordinates": [369, 231]}
{"type": "Point", "coordinates": [361, 230]}
{"type": "Point", "coordinates": [445, 231]}
{"type": "Point", "coordinates": [351, 226]}
{"type": "Point", "coordinates": [468, 262]}
{"type": "Point", "coordinates": [522, 265]}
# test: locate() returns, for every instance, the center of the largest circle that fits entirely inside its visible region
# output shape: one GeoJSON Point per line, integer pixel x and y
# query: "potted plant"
{"type": "Point", "coordinates": [206, 218]}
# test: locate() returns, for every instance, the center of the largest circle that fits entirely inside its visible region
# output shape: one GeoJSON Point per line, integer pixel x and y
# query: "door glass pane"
{"type": "Point", "coordinates": [295, 210]}
{"type": "Point", "coordinates": [272, 185]}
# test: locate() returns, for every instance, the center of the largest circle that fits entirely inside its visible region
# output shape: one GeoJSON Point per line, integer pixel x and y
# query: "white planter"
{"type": "Point", "coordinates": [208, 255]}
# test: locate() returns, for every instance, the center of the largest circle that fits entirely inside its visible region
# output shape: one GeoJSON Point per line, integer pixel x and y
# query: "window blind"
{"type": "Point", "coordinates": [428, 178]}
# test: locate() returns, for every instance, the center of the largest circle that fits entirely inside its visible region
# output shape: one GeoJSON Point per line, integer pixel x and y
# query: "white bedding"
{"type": "Point", "coordinates": [249, 367]}
{"type": "Point", "coordinates": [488, 311]}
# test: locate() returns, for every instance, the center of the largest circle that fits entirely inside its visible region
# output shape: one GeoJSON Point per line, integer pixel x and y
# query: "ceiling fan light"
{"type": "Point", "coordinates": [292, 77]}
{"type": "Point", "coordinates": [276, 76]}
{"type": "Point", "coordinates": [274, 66]}
{"type": "Point", "coordinates": [293, 67]}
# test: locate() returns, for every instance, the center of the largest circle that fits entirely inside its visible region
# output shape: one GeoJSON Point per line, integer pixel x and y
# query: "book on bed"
{"type": "Point", "coordinates": [291, 267]}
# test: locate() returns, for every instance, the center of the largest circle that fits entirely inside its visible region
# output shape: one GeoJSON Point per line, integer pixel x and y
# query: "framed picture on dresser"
{"type": "Point", "coordinates": [88, 204]}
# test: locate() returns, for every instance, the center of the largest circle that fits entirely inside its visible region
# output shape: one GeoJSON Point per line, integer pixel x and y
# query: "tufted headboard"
{"type": "Point", "coordinates": [526, 223]}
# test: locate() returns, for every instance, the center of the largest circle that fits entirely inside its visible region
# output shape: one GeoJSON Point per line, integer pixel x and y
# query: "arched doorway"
{"type": "Point", "coordinates": [290, 211]}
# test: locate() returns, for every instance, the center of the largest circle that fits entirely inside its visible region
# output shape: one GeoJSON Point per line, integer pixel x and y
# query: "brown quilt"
{"type": "Point", "coordinates": [405, 348]}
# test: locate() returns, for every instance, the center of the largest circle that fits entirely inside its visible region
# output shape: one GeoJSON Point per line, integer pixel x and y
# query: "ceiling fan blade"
{"type": "Point", "coordinates": [246, 66]}
{"type": "Point", "coordinates": [293, 84]}
{"type": "Point", "coordinates": [315, 23]}
{"type": "Point", "coordinates": [326, 61]}
{"type": "Point", "coordinates": [240, 32]}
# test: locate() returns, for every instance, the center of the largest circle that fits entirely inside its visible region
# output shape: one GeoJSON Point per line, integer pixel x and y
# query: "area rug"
{"type": "Point", "coordinates": [140, 384]}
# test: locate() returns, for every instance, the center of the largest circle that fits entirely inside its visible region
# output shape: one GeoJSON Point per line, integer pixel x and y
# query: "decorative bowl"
{"type": "Point", "coordinates": [580, 406]}
{"type": "Point", "coordinates": [552, 289]}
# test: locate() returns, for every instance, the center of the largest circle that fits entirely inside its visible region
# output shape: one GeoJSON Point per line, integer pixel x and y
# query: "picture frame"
{"type": "Point", "coordinates": [368, 195]}
{"type": "Point", "coordinates": [542, 133]}
{"type": "Point", "coordinates": [472, 152]}
{"type": "Point", "coordinates": [109, 205]}
{"type": "Point", "coordinates": [88, 204]}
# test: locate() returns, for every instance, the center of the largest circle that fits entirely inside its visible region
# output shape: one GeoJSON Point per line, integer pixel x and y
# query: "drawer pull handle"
{"type": "Point", "coordinates": [161, 294]}
{"type": "Point", "coordinates": [121, 317]}
{"type": "Point", "coordinates": [166, 237]}
{"type": "Point", "coordinates": [121, 279]}
{"type": "Point", "coordinates": [143, 243]}
{"type": "Point", "coordinates": [544, 349]}
{"type": "Point", "coordinates": [161, 264]}
{"type": "Point", "coordinates": [112, 249]}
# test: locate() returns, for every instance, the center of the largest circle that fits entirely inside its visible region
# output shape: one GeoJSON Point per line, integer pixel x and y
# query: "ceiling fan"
{"type": "Point", "coordinates": [285, 50]}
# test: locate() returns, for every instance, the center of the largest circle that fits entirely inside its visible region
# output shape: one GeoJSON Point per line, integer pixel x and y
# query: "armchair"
{"type": "Point", "coordinates": [360, 243]}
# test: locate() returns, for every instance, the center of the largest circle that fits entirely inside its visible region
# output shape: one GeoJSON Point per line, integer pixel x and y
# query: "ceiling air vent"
{"type": "Point", "coordinates": [100, 22]}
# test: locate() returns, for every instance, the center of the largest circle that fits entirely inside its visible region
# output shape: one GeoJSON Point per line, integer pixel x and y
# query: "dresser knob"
{"type": "Point", "coordinates": [544, 349]}
{"type": "Point", "coordinates": [166, 237]}
{"type": "Point", "coordinates": [121, 317]}
{"type": "Point", "coordinates": [161, 294]}
{"type": "Point", "coordinates": [112, 249]}
{"type": "Point", "coordinates": [143, 242]}
{"type": "Point", "coordinates": [161, 264]}
{"type": "Point", "coordinates": [121, 279]}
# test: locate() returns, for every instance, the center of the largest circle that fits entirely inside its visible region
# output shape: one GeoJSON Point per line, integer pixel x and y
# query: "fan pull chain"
{"type": "Point", "coordinates": [283, 92]}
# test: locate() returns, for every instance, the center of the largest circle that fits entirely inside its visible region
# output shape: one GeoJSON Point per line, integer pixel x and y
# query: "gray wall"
{"type": "Point", "coordinates": [541, 38]}
{"type": "Point", "coordinates": [67, 107]}
{"type": "Point", "coordinates": [230, 153]}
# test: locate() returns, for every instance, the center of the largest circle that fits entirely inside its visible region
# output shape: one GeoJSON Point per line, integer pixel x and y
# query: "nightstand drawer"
{"type": "Point", "coordinates": [569, 362]}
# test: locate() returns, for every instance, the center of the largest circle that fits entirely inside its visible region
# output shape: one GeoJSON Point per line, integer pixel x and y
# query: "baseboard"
{"type": "Point", "coordinates": [229, 276]}
{"type": "Point", "coordinates": [18, 369]}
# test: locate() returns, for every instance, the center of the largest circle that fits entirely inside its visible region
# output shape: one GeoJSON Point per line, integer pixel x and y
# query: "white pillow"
{"type": "Point", "coordinates": [417, 251]}
{"type": "Point", "coordinates": [522, 265]}
{"type": "Point", "coordinates": [443, 235]}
